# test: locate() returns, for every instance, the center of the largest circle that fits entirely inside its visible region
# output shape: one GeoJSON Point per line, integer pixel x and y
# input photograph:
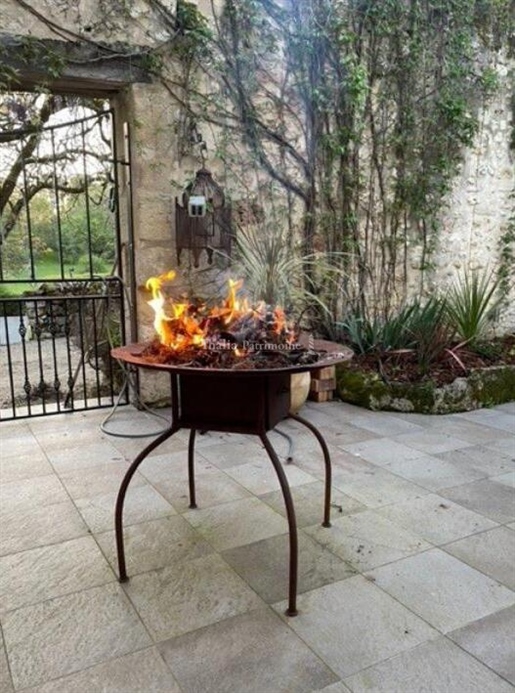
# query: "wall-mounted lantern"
{"type": "Point", "coordinates": [203, 221]}
{"type": "Point", "coordinates": [197, 206]}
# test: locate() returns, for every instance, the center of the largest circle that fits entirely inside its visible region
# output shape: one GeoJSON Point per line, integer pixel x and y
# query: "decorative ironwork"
{"type": "Point", "coordinates": [54, 354]}
{"type": "Point", "coordinates": [60, 340]}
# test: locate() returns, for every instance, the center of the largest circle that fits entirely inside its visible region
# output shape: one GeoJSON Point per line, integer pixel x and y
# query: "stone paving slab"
{"type": "Point", "coordinates": [6, 685]}
{"type": "Point", "coordinates": [35, 526]}
{"type": "Point", "coordinates": [352, 624]}
{"type": "Point", "coordinates": [155, 544]}
{"type": "Point", "coordinates": [189, 595]}
{"type": "Point", "coordinates": [26, 465]}
{"type": "Point", "coordinates": [434, 666]}
{"type": "Point", "coordinates": [308, 500]}
{"type": "Point", "coordinates": [140, 672]}
{"type": "Point", "coordinates": [491, 641]}
{"type": "Point", "coordinates": [367, 540]}
{"type": "Point", "coordinates": [63, 635]}
{"type": "Point", "coordinates": [249, 653]}
{"type": "Point", "coordinates": [237, 523]}
{"type": "Point", "coordinates": [442, 590]}
{"type": "Point", "coordinates": [436, 518]}
{"type": "Point", "coordinates": [50, 571]}
{"type": "Point", "coordinates": [379, 606]}
{"type": "Point", "coordinates": [142, 503]}
{"type": "Point", "coordinates": [264, 566]}
{"type": "Point", "coordinates": [488, 497]}
{"type": "Point", "coordinates": [492, 552]}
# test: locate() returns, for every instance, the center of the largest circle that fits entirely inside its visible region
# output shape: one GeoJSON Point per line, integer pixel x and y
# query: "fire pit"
{"type": "Point", "coordinates": [252, 399]}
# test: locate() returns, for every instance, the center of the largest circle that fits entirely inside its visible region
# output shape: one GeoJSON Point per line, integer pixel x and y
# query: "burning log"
{"type": "Point", "coordinates": [233, 335]}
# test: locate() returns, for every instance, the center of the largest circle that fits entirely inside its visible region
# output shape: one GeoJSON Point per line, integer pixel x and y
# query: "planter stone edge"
{"type": "Point", "coordinates": [484, 387]}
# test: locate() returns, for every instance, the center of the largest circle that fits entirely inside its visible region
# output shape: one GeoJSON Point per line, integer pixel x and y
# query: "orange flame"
{"type": "Point", "coordinates": [181, 325]}
{"type": "Point", "coordinates": [180, 330]}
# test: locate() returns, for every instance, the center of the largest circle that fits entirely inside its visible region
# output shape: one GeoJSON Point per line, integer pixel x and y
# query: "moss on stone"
{"type": "Point", "coordinates": [497, 388]}
{"type": "Point", "coordinates": [483, 388]}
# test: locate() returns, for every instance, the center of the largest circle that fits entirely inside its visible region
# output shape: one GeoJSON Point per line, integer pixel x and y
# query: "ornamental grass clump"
{"type": "Point", "coordinates": [276, 273]}
{"type": "Point", "coordinates": [472, 305]}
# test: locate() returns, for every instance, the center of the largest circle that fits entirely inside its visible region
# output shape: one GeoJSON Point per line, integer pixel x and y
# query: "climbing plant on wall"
{"type": "Point", "coordinates": [360, 112]}
{"type": "Point", "coordinates": [357, 112]}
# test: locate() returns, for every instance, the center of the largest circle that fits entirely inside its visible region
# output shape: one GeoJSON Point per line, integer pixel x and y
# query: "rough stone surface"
{"type": "Point", "coordinates": [482, 388]}
{"type": "Point", "coordinates": [480, 204]}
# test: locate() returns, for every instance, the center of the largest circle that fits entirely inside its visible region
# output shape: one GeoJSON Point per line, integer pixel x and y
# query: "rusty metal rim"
{"type": "Point", "coordinates": [132, 353]}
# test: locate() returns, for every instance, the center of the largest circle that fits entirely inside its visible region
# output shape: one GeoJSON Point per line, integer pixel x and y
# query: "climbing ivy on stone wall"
{"type": "Point", "coordinates": [361, 112]}
{"type": "Point", "coordinates": [357, 111]}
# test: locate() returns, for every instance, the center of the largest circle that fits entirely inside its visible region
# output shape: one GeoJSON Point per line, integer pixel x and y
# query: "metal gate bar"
{"type": "Point", "coordinates": [55, 340]}
{"type": "Point", "coordinates": [55, 351]}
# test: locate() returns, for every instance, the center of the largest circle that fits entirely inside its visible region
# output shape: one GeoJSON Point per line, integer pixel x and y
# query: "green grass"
{"type": "Point", "coordinates": [46, 269]}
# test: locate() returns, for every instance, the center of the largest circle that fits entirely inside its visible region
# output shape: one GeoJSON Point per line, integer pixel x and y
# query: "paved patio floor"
{"type": "Point", "coordinates": [410, 590]}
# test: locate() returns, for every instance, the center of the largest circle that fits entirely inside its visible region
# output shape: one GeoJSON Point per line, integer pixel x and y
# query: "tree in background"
{"type": "Point", "coordinates": [44, 165]}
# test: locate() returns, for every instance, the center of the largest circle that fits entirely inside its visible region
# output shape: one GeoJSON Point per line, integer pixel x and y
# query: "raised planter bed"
{"type": "Point", "coordinates": [483, 387]}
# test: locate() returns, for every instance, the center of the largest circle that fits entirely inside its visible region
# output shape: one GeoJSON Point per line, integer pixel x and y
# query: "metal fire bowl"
{"type": "Point", "coordinates": [236, 401]}
{"type": "Point", "coordinates": [330, 354]}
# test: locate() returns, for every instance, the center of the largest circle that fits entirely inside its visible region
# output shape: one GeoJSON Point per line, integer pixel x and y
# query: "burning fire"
{"type": "Point", "coordinates": [182, 326]}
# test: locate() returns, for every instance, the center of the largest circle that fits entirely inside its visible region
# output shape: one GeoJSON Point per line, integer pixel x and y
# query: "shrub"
{"type": "Point", "coordinates": [421, 328]}
{"type": "Point", "coordinates": [471, 305]}
{"type": "Point", "coordinates": [431, 331]}
{"type": "Point", "coordinates": [364, 335]}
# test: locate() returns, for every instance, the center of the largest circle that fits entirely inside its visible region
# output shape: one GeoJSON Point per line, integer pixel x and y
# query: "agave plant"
{"type": "Point", "coordinates": [361, 334]}
{"type": "Point", "coordinates": [431, 331]}
{"type": "Point", "coordinates": [422, 329]}
{"type": "Point", "coordinates": [471, 305]}
{"type": "Point", "coordinates": [365, 335]}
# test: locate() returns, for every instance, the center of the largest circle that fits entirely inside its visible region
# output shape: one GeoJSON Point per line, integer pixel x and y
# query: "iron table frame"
{"type": "Point", "coordinates": [272, 390]}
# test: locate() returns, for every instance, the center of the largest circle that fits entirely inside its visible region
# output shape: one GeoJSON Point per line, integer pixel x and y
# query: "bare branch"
{"type": "Point", "coordinates": [10, 181]}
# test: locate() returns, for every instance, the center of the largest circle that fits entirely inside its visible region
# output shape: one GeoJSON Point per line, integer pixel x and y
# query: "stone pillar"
{"type": "Point", "coordinates": [145, 124]}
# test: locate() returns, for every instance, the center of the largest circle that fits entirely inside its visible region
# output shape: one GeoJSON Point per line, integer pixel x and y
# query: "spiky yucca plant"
{"type": "Point", "coordinates": [471, 305]}
{"type": "Point", "coordinates": [276, 273]}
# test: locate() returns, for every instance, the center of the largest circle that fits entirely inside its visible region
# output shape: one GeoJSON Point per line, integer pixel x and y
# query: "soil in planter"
{"type": "Point", "coordinates": [403, 366]}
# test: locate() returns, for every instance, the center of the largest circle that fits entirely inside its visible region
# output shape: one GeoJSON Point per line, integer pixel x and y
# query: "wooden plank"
{"type": "Point", "coordinates": [323, 385]}
{"type": "Point", "coordinates": [321, 396]}
{"type": "Point", "coordinates": [323, 373]}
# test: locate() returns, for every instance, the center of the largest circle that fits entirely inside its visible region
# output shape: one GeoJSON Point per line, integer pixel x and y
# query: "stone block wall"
{"type": "Point", "coordinates": [479, 205]}
{"type": "Point", "coordinates": [482, 199]}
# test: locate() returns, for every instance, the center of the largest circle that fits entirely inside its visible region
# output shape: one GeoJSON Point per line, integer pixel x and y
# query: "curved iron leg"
{"type": "Point", "coordinates": [191, 468]}
{"type": "Point", "coordinates": [289, 454]}
{"type": "Point", "coordinates": [327, 463]}
{"type": "Point", "coordinates": [118, 512]}
{"type": "Point", "coordinates": [292, 525]}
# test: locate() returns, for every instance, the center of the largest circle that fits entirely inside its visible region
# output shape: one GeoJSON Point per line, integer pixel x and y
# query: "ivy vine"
{"type": "Point", "coordinates": [364, 123]}
{"type": "Point", "coordinates": [359, 111]}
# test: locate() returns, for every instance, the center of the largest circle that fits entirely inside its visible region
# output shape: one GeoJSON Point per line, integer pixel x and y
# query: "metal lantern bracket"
{"type": "Point", "coordinates": [203, 220]}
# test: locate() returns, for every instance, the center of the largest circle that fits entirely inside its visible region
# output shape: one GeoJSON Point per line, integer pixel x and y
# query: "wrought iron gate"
{"type": "Point", "coordinates": [62, 301]}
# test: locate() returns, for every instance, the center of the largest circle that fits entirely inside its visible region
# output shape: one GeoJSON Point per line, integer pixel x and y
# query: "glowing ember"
{"type": "Point", "coordinates": [233, 331]}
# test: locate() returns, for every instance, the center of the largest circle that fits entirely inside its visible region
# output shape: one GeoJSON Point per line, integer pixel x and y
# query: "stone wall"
{"type": "Point", "coordinates": [110, 21]}
{"type": "Point", "coordinates": [481, 201]}
{"type": "Point", "coordinates": [479, 205]}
